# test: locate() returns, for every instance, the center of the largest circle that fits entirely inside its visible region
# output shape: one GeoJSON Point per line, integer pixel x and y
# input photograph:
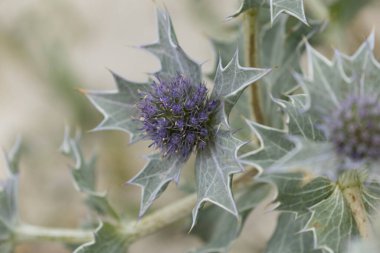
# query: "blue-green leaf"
{"type": "Point", "coordinates": [288, 237]}
{"type": "Point", "coordinates": [108, 238]}
{"type": "Point", "coordinates": [9, 218]}
{"type": "Point", "coordinates": [296, 194]}
{"type": "Point", "coordinates": [214, 167]}
{"type": "Point", "coordinates": [155, 177]}
{"type": "Point", "coordinates": [336, 211]}
{"type": "Point", "coordinates": [292, 7]}
{"type": "Point", "coordinates": [219, 228]}
{"type": "Point", "coordinates": [231, 80]}
{"type": "Point", "coordinates": [119, 107]}
{"type": "Point", "coordinates": [274, 145]}
{"type": "Point", "coordinates": [281, 47]}
{"type": "Point", "coordinates": [84, 176]}
{"type": "Point", "coordinates": [172, 57]}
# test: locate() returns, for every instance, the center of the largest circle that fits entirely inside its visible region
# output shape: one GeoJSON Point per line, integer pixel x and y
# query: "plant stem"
{"type": "Point", "coordinates": [251, 58]}
{"type": "Point", "coordinates": [26, 233]}
{"type": "Point", "coordinates": [353, 196]}
{"type": "Point", "coordinates": [350, 184]}
{"type": "Point", "coordinates": [163, 217]}
{"type": "Point", "coordinates": [133, 230]}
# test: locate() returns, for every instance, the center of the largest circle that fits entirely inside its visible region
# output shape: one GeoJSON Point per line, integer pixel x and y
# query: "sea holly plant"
{"type": "Point", "coordinates": [332, 131]}
{"type": "Point", "coordinates": [305, 144]}
{"type": "Point", "coordinates": [179, 117]}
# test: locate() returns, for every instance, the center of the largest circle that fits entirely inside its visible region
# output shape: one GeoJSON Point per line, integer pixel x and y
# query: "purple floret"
{"type": "Point", "coordinates": [354, 127]}
{"type": "Point", "coordinates": [178, 116]}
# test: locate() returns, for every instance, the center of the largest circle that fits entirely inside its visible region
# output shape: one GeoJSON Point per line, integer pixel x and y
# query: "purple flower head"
{"type": "Point", "coordinates": [354, 128]}
{"type": "Point", "coordinates": [178, 116]}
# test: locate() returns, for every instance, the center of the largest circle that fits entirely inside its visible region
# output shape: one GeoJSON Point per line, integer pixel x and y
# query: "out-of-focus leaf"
{"type": "Point", "coordinates": [344, 11]}
{"type": "Point", "coordinates": [108, 238]}
{"type": "Point", "coordinates": [9, 218]}
{"type": "Point", "coordinates": [219, 228]}
{"type": "Point", "coordinates": [296, 194]}
{"type": "Point", "coordinates": [274, 145]}
{"type": "Point", "coordinates": [334, 209]}
{"type": "Point", "coordinates": [84, 176]}
{"type": "Point", "coordinates": [288, 237]}
{"type": "Point", "coordinates": [281, 47]}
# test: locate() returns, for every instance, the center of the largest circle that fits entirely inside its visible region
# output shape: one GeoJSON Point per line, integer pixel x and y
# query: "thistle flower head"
{"type": "Point", "coordinates": [178, 116]}
{"type": "Point", "coordinates": [354, 128]}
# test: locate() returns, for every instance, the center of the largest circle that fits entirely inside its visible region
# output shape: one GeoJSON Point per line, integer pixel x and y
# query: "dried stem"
{"type": "Point", "coordinates": [353, 196]}
{"type": "Point", "coordinates": [251, 58]}
{"type": "Point", "coordinates": [351, 183]}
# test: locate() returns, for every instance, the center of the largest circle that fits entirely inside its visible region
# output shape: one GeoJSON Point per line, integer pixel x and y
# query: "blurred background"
{"type": "Point", "coordinates": [51, 48]}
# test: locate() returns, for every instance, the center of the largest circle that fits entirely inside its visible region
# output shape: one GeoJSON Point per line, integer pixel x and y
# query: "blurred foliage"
{"type": "Point", "coordinates": [35, 40]}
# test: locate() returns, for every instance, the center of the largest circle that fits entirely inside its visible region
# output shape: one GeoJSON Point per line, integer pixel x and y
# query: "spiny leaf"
{"type": "Point", "coordinates": [84, 176]}
{"type": "Point", "coordinates": [225, 51]}
{"type": "Point", "coordinates": [296, 194]}
{"type": "Point", "coordinates": [213, 169]}
{"type": "Point", "coordinates": [119, 107]}
{"type": "Point", "coordinates": [108, 238]}
{"type": "Point", "coordinates": [333, 220]}
{"type": "Point", "coordinates": [281, 48]}
{"type": "Point", "coordinates": [219, 228]}
{"type": "Point", "coordinates": [231, 80]}
{"type": "Point", "coordinates": [362, 66]}
{"type": "Point", "coordinates": [324, 85]}
{"type": "Point", "coordinates": [328, 82]}
{"type": "Point", "coordinates": [311, 150]}
{"type": "Point", "coordinates": [333, 223]}
{"type": "Point", "coordinates": [291, 7]}
{"type": "Point", "coordinates": [288, 237]}
{"type": "Point", "coordinates": [155, 177]}
{"type": "Point", "coordinates": [317, 157]}
{"type": "Point", "coordinates": [274, 145]}
{"type": "Point", "coordinates": [300, 123]}
{"type": "Point", "coordinates": [173, 59]}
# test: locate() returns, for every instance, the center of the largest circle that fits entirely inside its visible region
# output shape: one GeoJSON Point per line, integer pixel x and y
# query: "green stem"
{"type": "Point", "coordinates": [162, 217]}
{"type": "Point", "coordinates": [251, 59]}
{"type": "Point", "coordinates": [25, 233]}
{"type": "Point", "coordinates": [133, 230]}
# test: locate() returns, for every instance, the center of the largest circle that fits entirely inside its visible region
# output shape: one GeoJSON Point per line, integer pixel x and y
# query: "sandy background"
{"type": "Point", "coordinates": [49, 48]}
